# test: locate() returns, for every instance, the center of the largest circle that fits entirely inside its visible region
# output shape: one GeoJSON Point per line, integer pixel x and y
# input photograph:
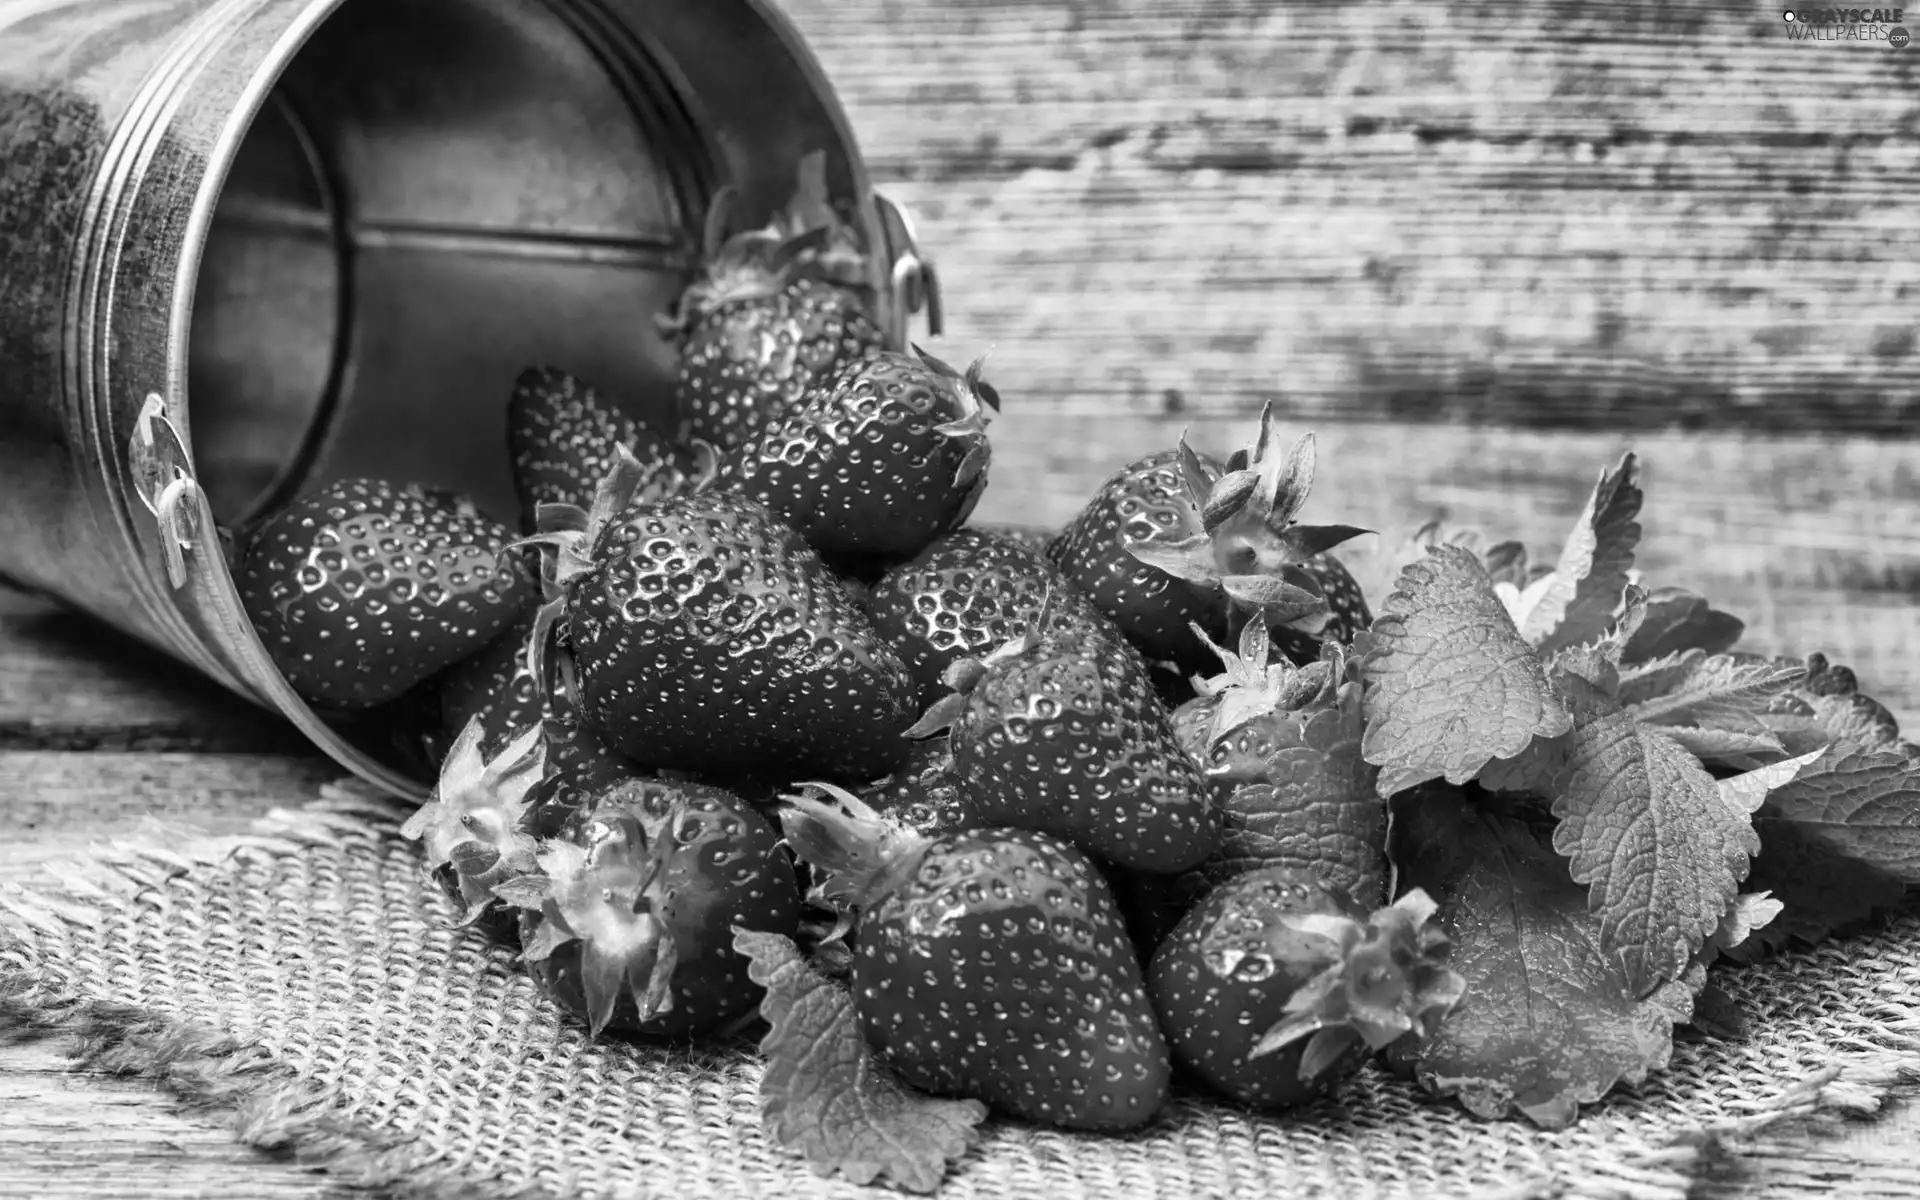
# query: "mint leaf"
{"type": "Point", "coordinates": [1717, 1015]}
{"type": "Point", "coordinates": [1646, 828]}
{"type": "Point", "coordinates": [1312, 805]}
{"type": "Point", "coordinates": [1829, 701]}
{"type": "Point", "coordinates": [1592, 662]}
{"type": "Point", "coordinates": [1838, 839]}
{"type": "Point", "coordinates": [824, 1093]}
{"type": "Point", "coordinates": [1749, 912]}
{"type": "Point", "coordinates": [1576, 601]}
{"type": "Point", "coordinates": [1450, 684]}
{"type": "Point", "coordinates": [1506, 562]}
{"type": "Point", "coordinates": [1747, 792]}
{"type": "Point", "coordinates": [1550, 1020]}
{"type": "Point", "coordinates": [1726, 748]}
{"type": "Point", "coordinates": [1598, 661]}
{"type": "Point", "coordinates": [1824, 892]}
{"type": "Point", "coordinates": [1677, 620]}
{"type": "Point", "coordinates": [1851, 717]}
{"type": "Point", "coordinates": [1532, 770]}
{"type": "Point", "coordinates": [1862, 803]}
{"type": "Point", "coordinates": [1697, 690]}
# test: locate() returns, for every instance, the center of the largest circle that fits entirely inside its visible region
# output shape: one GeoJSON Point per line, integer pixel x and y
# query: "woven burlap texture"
{"type": "Point", "coordinates": [306, 980]}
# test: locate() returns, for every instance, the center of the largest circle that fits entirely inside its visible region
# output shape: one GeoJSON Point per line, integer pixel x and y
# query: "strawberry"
{"type": "Point", "coordinates": [707, 637]}
{"type": "Point", "coordinates": [495, 685]}
{"type": "Point", "coordinates": [1152, 608]}
{"type": "Point", "coordinates": [888, 453]}
{"type": "Point", "coordinates": [968, 592]}
{"type": "Point", "coordinates": [989, 963]}
{"type": "Point", "coordinates": [1347, 612]}
{"type": "Point", "coordinates": [1175, 540]}
{"type": "Point", "coordinates": [1273, 988]}
{"type": "Point", "coordinates": [1055, 732]}
{"type": "Point", "coordinates": [773, 309]}
{"type": "Point", "coordinates": [632, 926]}
{"type": "Point", "coordinates": [579, 766]}
{"type": "Point", "coordinates": [924, 794]}
{"type": "Point", "coordinates": [561, 436]}
{"type": "Point", "coordinates": [364, 589]}
{"type": "Point", "coordinates": [1282, 749]}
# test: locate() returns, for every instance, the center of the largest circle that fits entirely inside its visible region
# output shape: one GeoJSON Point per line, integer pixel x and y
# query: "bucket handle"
{"type": "Point", "coordinates": [158, 459]}
{"type": "Point", "coordinates": [915, 282]}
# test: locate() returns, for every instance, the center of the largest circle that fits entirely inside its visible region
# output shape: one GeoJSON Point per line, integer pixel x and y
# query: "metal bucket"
{"type": "Point", "coordinates": [248, 246]}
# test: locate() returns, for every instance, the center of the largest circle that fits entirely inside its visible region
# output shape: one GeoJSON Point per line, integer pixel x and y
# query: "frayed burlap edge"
{"type": "Point", "coordinates": [270, 1107]}
{"type": "Point", "coordinates": [265, 1104]}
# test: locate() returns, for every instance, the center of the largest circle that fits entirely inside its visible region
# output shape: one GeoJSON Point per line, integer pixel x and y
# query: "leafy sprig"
{"type": "Point", "coordinates": [1610, 744]}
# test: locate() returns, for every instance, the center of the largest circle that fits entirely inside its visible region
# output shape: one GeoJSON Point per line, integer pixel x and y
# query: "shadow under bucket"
{"type": "Point", "coordinates": [253, 246]}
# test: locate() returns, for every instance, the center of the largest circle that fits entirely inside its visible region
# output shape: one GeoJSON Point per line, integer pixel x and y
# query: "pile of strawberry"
{"type": "Point", "coordinates": [748, 723]}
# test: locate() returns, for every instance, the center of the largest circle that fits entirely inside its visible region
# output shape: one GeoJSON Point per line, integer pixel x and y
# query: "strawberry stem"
{"type": "Point", "coordinates": [603, 895]}
{"type": "Point", "coordinates": [474, 823]}
{"type": "Point", "coordinates": [856, 849]}
{"type": "Point", "coordinates": [1387, 980]}
{"type": "Point", "coordinates": [1246, 553]}
{"type": "Point", "coordinates": [977, 403]}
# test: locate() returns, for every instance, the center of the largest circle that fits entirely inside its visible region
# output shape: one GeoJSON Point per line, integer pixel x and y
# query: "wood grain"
{"type": "Point", "coordinates": [57, 803]}
{"type": "Point", "coordinates": [84, 1134]}
{"type": "Point", "coordinates": [1615, 216]}
{"type": "Point", "coordinates": [67, 1133]}
{"type": "Point", "coordinates": [69, 682]}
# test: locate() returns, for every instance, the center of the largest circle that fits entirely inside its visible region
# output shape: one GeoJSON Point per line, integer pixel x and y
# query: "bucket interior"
{"type": "Point", "coordinates": [436, 195]}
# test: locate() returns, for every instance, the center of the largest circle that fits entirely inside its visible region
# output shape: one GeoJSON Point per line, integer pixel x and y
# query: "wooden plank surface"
{"type": "Point", "coordinates": [1550, 212]}
{"type": "Point", "coordinates": [86, 1135]}
{"type": "Point", "coordinates": [65, 801]}
{"type": "Point", "coordinates": [67, 682]}
{"type": "Point", "coordinates": [81, 1134]}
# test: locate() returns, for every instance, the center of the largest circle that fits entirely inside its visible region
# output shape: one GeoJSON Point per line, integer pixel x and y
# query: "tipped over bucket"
{"type": "Point", "coordinates": [253, 246]}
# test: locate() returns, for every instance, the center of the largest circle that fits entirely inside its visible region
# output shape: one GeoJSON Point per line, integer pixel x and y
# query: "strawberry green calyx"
{"type": "Point", "coordinates": [572, 532]}
{"type": "Point", "coordinates": [751, 266]}
{"type": "Point", "coordinates": [977, 402]}
{"type": "Point", "coordinates": [602, 895]}
{"type": "Point", "coordinates": [838, 260]}
{"type": "Point", "coordinates": [1388, 980]}
{"type": "Point", "coordinates": [805, 239]}
{"type": "Point", "coordinates": [1251, 687]}
{"type": "Point", "coordinates": [473, 827]}
{"type": "Point", "coordinates": [858, 853]}
{"type": "Point", "coordinates": [1250, 544]}
{"type": "Point", "coordinates": [963, 675]}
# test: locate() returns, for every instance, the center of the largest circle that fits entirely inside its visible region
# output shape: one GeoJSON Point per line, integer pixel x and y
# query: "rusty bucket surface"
{"type": "Point", "coordinates": [250, 246]}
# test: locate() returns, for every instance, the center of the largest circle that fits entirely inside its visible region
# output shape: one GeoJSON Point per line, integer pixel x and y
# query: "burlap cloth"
{"type": "Point", "coordinates": [305, 981]}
